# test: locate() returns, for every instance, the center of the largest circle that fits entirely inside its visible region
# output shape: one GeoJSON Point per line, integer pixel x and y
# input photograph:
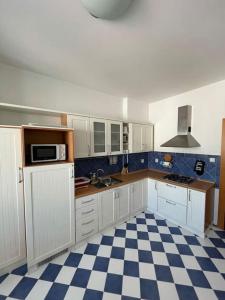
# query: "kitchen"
{"type": "Point", "coordinates": [148, 221]}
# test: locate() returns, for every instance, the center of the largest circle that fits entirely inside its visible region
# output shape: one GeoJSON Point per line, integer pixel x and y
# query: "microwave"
{"type": "Point", "coordinates": [47, 152]}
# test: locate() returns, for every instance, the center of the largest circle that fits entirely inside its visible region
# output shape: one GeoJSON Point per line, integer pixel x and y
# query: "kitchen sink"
{"type": "Point", "coordinates": [109, 181]}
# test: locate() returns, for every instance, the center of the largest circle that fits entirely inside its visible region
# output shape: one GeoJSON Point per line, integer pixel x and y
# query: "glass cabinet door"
{"type": "Point", "coordinates": [115, 133]}
{"type": "Point", "coordinates": [98, 137]}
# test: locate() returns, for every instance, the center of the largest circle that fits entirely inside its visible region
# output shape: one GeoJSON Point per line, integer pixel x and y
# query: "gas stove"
{"type": "Point", "coordinates": [179, 178]}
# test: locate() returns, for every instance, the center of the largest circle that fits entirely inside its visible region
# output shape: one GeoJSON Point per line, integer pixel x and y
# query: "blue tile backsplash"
{"type": "Point", "coordinates": [183, 164]}
{"type": "Point", "coordinates": [86, 165]}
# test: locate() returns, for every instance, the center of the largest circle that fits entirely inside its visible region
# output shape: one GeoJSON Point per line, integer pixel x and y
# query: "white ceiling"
{"type": "Point", "coordinates": [157, 49]}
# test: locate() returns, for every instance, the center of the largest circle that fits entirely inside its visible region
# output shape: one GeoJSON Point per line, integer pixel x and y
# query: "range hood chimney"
{"type": "Point", "coordinates": [183, 139]}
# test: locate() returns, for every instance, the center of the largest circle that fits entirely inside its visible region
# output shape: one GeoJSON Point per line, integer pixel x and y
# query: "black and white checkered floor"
{"type": "Point", "coordinates": [145, 258]}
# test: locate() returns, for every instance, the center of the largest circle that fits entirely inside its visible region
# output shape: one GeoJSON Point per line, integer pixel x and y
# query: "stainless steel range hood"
{"type": "Point", "coordinates": [183, 139]}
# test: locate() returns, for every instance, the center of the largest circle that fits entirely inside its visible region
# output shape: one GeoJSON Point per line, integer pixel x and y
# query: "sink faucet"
{"type": "Point", "coordinates": [98, 171]}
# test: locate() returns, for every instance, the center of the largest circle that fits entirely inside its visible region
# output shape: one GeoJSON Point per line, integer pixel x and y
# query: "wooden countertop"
{"type": "Point", "coordinates": [199, 185]}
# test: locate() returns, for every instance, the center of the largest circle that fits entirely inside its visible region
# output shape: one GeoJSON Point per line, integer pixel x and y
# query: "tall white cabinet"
{"type": "Point", "coordinates": [12, 230]}
{"type": "Point", "coordinates": [49, 209]}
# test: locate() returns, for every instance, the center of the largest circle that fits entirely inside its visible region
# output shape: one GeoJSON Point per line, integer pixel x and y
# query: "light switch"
{"type": "Point", "coordinates": [156, 160]}
{"type": "Point", "coordinates": [142, 160]}
{"type": "Point", "coordinates": [212, 159]}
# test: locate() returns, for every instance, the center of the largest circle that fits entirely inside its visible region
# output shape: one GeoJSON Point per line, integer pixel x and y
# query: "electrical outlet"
{"type": "Point", "coordinates": [212, 159]}
{"type": "Point", "coordinates": [156, 160]}
{"type": "Point", "coordinates": [142, 160]}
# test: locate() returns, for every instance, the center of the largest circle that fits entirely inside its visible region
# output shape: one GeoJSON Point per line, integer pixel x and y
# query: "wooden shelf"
{"type": "Point", "coordinates": [47, 135]}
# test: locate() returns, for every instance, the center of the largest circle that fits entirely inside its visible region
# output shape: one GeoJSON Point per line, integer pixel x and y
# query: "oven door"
{"type": "Point", "coordinates": [44, 153]}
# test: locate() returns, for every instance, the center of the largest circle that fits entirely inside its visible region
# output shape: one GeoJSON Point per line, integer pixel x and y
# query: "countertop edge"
{"type": "Point", "coordinates": [198, 185]}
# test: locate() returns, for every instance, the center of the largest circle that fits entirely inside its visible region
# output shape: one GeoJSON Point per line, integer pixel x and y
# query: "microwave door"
{"type": "Point", "coordinates": [44, 153]}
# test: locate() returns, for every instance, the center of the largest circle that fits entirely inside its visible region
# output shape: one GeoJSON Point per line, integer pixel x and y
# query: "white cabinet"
{"type": "Point", "coordinates": [153, 195]}
{"type": "Point", "coordinates": [82, 142]}
{"type": "Point", "coordinates": [49, 209]}
{"type": "Point", "coordinates": [147, 138]}
{"type": "Point", "coordinates": [106, 137]}
{"type": "Point", "coordinates": [135, 138]}
{"type": "Point", "coordinates": [107, 209]}
{"type": "Point", "coordinates": [86, 217]}
{"type": "Point", "coordinates": [196, 211]}
{"type": "Point", "coordinates": [140, 137]}
{"type": "Point", "coordinates": [115, 137]}
{"type": "Point", "coordinates": [172, 210]}
{"type": "Point", "coordinates": [122, 198]}
{"type": "Point", "coordinates": [136, 197]}
{"type": "Point", "coordinates": [145, 193]}
{"type": "Point", "coordinates": [98, 137]}
{"type": "Point", "coordinates": [12, 229]}
{"type": "Point", "coordinates": [172, 192]}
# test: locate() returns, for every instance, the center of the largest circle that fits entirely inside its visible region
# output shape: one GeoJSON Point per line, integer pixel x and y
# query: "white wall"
{"type": "Point", "coordinates": [22, 87]}
{"type": "Point", "coordinates": [208, 110]}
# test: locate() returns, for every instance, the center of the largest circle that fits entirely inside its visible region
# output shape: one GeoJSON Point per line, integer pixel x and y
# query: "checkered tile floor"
{"type": "Point", "coordinates": [145, 258]}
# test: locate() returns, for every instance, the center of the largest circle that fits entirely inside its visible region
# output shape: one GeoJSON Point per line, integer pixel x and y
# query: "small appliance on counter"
{"type": "Point", "coordinates": [47, 153]}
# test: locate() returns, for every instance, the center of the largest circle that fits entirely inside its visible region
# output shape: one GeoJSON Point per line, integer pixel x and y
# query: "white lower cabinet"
{"type": "Point", "coordinates": [176, 203]}
{"type": "Point", "coordinates": [196, 211]}
{"type": "Point", "coordinates": [12, 228]}
{"type": "Point", "coordinates": [172, 210]}
{"type": "Point", "coordinates": [49, 209]}
{"type": "Point", "coordinates": [122, 197]}
{"type": "Point", "coordinates": [136, 197]}
{"type": "Point", "coordinates": [107, 209]}
{"type": "Point", "coordinates": [172, 192]}
{"type": "Point", "coordinates": [153, 195]}
{"type": "Point", "coordinates": [86, 217]}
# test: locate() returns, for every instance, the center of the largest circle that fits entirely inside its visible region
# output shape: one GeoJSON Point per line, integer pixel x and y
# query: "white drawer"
{"type": "Point", "coordinates": [172, 192]}
{"type": "Point", "coordinates": [172, 210]}
{"type": "Point", "coordinates": [84, 201]}
{"type": "Point", "coordinates": [86, 227]}
{"type": "Point", "coordinates": [86, 211]}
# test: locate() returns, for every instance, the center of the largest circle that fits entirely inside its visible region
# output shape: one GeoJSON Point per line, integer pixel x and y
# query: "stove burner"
{"type": "Point", "coordinates": [179, 178]}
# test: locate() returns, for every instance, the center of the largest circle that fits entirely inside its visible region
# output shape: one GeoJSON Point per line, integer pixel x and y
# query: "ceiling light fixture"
{"type": "Point", "coordinates": [106, 9]}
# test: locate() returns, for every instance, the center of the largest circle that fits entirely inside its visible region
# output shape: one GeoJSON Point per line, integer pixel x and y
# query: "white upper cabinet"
{"type": "Point", "coordinates": [101, 137]}
{"type": "Point", "coordinates": [82, 139]}
{"type": "Point", "coordinates": [147, 138]}
{"type": "Point", "coordinates": [49, 209]}
{"type": "Point", "coordinates": [12, 228]}
{"type": "Point", "coordinates": [135, 139]}
{"type": "Point", "coordinates": [98, 137]}
{"type": "Point", "coordinates": [115, 137]}
{"type": "Point", "coordinates": [140, 138]}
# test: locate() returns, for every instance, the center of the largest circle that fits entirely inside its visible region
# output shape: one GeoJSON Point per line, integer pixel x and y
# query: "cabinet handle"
{"type": "Point", "coordinates": [87, 233]}
{"type": "Point", "coordinates": [20, 175]}
{"type": "Point", "coordinates": [117, 195]}
{"type": "Point", "coordinates": [88, 212]}
{"type": "Point", "coordinates": [169, 202]}
{"type": "Point", "coordinates": [172, 186]}
{"type": "Point", "coordinates": [88, 201]}
{"type": "Point", "coordinates": [189, 196]}
{"type": "Point", "coordinates": [72, 172]}
{"type": "Point", "coordinates": [156, 185]}
{"type": "Point", "coordinates": [89, 150]}
{"type": "Point", "coordinates": [89, 222]}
